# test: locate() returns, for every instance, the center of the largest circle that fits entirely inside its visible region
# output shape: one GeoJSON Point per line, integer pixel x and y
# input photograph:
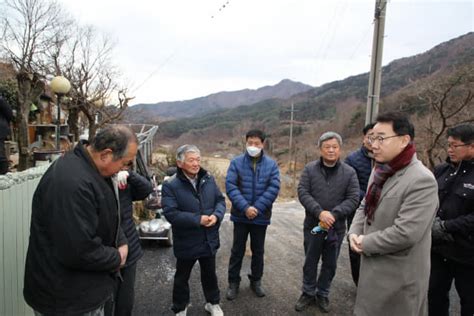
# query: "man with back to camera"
{"type": "Point", "coordinates": [76, 245]}
{"type": "Point", "coordinates": [362, 160]}
{"type": "Point", "coordinates": [195, 207]}
{"type": "Point", "coordinates": [329, 192]}
{"type": "Point", "coordinates": [452, 250]}
{"type": "Point", "coordinates": [392, 227]}
{"type": "Point", "coordinates": [252, 185]}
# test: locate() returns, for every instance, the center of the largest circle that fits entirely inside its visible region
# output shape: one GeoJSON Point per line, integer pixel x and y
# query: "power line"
{"type": "Point", "coordinates": [157, 69]}
{"type": "Point", "coordinates": [174, 53]}
{"type": "Point", "coordinates": [221, 8]}
{"type": "Point", "coordinates": [359, 43]}
{"type": "Point", "coordinates": [335, 28]}
{"type": "Point", "coordinates": [328, 37]}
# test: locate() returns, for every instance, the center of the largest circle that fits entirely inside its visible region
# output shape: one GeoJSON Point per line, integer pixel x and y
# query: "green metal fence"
{"type": "Point", "coordinates": [16, 192]}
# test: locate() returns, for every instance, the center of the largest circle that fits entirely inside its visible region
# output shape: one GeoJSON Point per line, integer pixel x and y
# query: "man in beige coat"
{"type": "Point", "coordinates": [392, 227]}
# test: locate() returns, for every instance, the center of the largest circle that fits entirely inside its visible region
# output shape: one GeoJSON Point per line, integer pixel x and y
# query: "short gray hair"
{"type": "Point", "coordinates": [184, 149]}
{"type": "Point", "coordinates": [329, 135]}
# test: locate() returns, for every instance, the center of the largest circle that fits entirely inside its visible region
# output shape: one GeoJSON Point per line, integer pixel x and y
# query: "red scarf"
{"type": "Point", "coordinates": [382, 173]}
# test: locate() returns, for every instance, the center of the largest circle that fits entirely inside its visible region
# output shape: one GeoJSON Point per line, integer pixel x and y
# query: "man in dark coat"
{"type": "Point", "coordinates": [452, 251]}
{"type": "Point", "coordinates": [76, 246]}
{"type": "Point", "coordinates": [6, 116]}
{"type": "Point", "coordinates": [131, 187]}
{"type": "Point", "coordinates": [329, 192]}
{"type": "Point", "coordinates": [362, 161]}
{"type": "Point", "coordinates": [252, 185]}
{"type": "Point", "coordinates": [195, 207]}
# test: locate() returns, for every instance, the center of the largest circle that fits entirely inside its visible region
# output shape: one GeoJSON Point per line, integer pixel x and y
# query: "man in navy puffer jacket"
{"type": "Point", "coordinates": [252, 185]}
{"type": "Point", "coordinates": [195, 207]}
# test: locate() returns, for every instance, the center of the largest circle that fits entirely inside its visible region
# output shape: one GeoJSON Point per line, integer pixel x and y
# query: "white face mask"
{"type": "Point", "coordinates": [254, 151]}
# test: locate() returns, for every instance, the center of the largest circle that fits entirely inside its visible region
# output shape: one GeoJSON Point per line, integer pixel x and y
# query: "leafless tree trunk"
{"type": "Point", "coordinates": [28, 27]}
{"type": "Point", "coordinates": [450, 103]}
{"type": "Point", "coordinates": [72, 122]}
{"type": "Point", "coordinates": [94, 80]}
{"type": "Point", "coordinates": [29, 90]}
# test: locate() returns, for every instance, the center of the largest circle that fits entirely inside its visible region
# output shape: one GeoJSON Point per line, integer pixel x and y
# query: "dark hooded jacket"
{"type": "Point", "coordinates": [74, 235]}
{"type": "Point", "coordinates": [456, 209]}
{"type": "Point", "coordinates": [183, 206]}
{"type": "Point", "coordinates": [138, 188]}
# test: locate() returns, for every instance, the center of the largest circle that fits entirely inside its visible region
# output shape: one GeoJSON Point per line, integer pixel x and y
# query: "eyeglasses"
{"type": "Point", "coordinates": [379, 139]}
{"type": "Point", "coordinates": [453, 146]}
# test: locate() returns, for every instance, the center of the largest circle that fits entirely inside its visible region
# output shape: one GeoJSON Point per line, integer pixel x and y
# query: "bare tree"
{"type": "Point", "coordinates": [96, 94]}
{"type": "Point", "coordinates": [450, 101]}
{"type": "Point", "coordinates": [28, 28]}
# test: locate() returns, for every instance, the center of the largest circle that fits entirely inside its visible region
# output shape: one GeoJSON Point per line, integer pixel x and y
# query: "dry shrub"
{"type": "Point", "coordinates": [140, 213]}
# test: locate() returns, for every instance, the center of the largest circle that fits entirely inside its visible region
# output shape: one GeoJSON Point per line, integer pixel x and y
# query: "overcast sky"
{"type": "Point", "coordinates": [182, 49]}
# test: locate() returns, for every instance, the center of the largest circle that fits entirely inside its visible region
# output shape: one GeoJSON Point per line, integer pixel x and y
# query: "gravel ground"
{"type": "Point", "coordinates": [284, 258]}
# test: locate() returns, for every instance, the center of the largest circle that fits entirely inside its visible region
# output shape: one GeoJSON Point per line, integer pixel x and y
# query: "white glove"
{"type": "Point", "coordinates": [122, 179]}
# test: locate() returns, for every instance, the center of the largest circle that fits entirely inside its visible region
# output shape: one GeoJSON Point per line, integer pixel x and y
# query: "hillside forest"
{"type": "Point", "coordinates": [436, 88]}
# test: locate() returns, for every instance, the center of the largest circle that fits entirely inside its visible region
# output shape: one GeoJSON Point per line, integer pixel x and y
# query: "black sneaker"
{"type": "Point", "coordinates": [323, 303]}
{"type": "Point", "coordinates": [303, 302]}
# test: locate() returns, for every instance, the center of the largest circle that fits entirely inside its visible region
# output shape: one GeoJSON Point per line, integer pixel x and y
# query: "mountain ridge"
{"type": "Point", "coordinates": [215, 101]}
{"type": "Point", "coordinates": [347, 96]}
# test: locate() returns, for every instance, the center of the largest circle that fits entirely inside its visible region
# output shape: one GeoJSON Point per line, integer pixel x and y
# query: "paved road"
{"type": "Point", "coordinates": [282, 278]}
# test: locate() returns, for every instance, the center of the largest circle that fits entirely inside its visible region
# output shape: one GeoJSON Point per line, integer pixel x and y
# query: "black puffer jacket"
{"type": "Point", "coordinates": [456, 200]}
{"type": "Point", "coordinates": [337, 192]}
{"type": "Point", "coordinates": [74, 234]}
{"type": "Point", "coordinates": [183, 206]}
{"type": "Point", "coordinates": [138, 188]}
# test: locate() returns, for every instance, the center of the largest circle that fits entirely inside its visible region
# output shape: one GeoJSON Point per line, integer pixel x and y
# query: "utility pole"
{"type": "Point", "coordinates": [376, 64]}
{"type": "Point", "coordinates": [294, 172]}
{"type": "Point", "coordinates": [291, 135]}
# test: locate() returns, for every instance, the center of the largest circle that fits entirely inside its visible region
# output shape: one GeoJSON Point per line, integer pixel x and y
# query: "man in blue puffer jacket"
{"type": "Point", "coordinates": [252, 185]}
{"type": "Point", "coordinates": [195, 207]}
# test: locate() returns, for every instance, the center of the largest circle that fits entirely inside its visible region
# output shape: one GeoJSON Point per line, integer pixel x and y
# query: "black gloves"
{"type": "Point", "coordinates": [439, 233]}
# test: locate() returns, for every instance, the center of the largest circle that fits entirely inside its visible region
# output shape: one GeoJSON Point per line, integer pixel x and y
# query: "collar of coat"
{"type": "Point", "coordinates": [462, 164]}
{"type": "Point", "coordinates": [366, 152]}
{"type": "Point", "coordinates": [81, 151]}
{"type": "Point", "coordinates": [322, 165]}
{"type": "Point", "coordinates": [201, 174]}
{"type": "Point", "coordinates": [259, 158]}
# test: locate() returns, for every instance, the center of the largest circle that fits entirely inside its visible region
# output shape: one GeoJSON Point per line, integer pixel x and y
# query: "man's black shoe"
{"type": "Point", "coordinates": [232, 291]}
{"type": "Point", "coordinates": [303, 302]}
{"type": "Point", "coordinates": [256, 286]}
{"type": "Point", "coordinates": [323, 303]}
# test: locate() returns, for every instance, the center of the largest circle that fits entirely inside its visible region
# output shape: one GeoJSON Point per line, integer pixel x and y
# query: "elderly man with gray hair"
{"type": "Point", "coordinates": [329, 192]}
{"type": "Point", "coordinates": [195, 207]}
{"type": "Point", "coordinates": [76, 245]}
